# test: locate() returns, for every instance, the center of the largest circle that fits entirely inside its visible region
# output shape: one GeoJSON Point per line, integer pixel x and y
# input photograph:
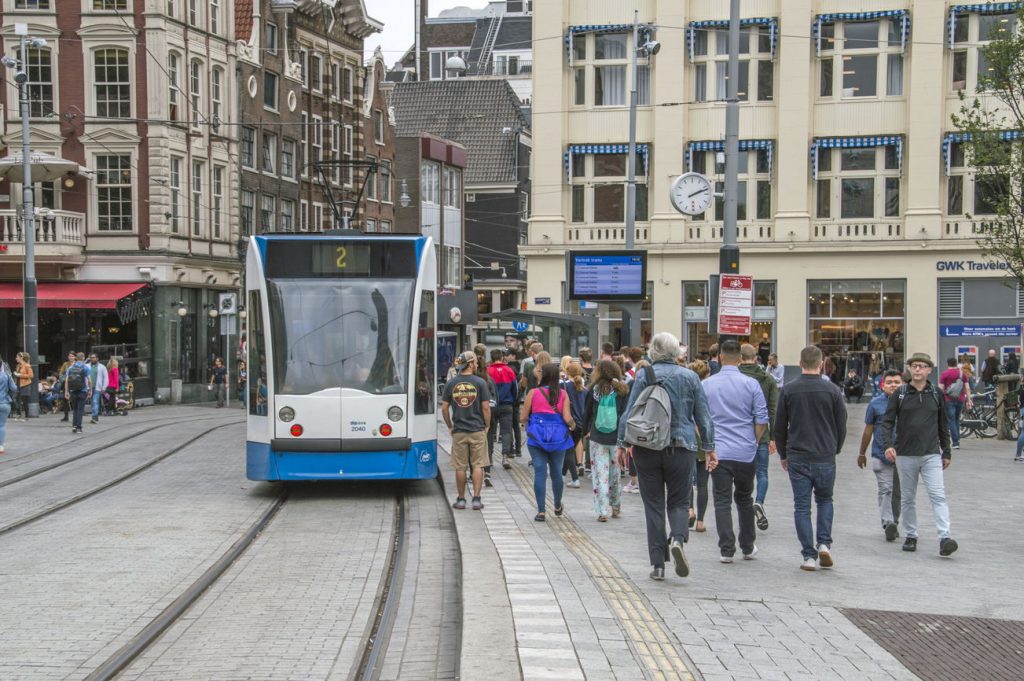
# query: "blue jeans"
{"type": "Point", "coordinates": [819, 478]}
{"type": "Point", "coordinates": [762, 472]}
{"type": "Point", "coordinates": [1020, 438]}
{"type": "Point", "coordinates": [5, 411]}
{"type": "Point", "coordinates": [97, 400]}
{"type": "Point", "coordinates": [954, 410]}
{"type": "Point", "coordinates": [545, 463]}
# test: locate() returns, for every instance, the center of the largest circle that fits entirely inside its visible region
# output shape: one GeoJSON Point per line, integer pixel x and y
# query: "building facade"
{"type": "Point", "coordinates": [135, 251]}
{"type": "Point", "coordinates": [857, 215]}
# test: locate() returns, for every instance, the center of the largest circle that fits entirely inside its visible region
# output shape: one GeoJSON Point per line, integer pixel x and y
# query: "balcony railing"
{"type": "Point", "coordinates": [966, 228]}
{"type": "Point", "coordinates": [751, 232]}
{"type": "Point", "coordinates": [512, 67]}
{"type": "Point", "coordinates": [857, 230]}
{"type": "Point", "coordinates": [604, 235]}
{"type": "Point", "coordinates": [58, 227]}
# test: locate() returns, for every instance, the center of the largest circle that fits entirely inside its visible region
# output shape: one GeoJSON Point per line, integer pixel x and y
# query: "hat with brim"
{"type": "Point", "coordinates": [921, 357]}
{"type": "Point", "coordinates": [464, 359]}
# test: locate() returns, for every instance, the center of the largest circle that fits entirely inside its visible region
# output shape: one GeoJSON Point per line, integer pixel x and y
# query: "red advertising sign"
{"type": "Point", "coordinates": [735, 304]}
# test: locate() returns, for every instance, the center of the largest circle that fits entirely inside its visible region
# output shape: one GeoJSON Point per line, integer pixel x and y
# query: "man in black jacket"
{"type": "Point", "coordinates": [810, 426]}
{"type": "Point", "coordinates": [915, 433]}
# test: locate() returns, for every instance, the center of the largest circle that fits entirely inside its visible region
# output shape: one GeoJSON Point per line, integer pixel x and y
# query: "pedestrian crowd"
{"type": "Point", "coordinates": [647, 421]}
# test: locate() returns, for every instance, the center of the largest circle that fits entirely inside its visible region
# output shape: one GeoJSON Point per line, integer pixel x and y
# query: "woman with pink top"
{"type": "Point", "coordinates": [113, 383]}
{"type": "Point", "coordinates": [549, 426]}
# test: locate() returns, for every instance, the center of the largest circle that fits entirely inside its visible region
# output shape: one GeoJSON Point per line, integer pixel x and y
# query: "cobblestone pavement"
{"type": "Point", "coordinates": [767, 619]}
{"type": "Point", "coordinates": [76, 585]}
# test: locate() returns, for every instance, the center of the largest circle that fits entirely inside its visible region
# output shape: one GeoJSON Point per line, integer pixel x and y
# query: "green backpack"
{"type": "Point", "coordinates": [607, 420]}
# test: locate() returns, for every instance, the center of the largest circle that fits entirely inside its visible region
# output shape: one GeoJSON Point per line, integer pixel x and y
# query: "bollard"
{"type": "Point", "coordinates": [175, 391]}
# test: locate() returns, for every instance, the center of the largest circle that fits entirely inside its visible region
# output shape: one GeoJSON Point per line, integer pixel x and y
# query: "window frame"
{"type": "Point", "coordinates": [271, 34]}
{"type": "Point", "coordinates": [971, 48]}
{"type": "Point", "coordinates": [123, 101]}
{"type": "Point", "coordinates": [752, 179]}
{"type": "Point", "coordinates": [268, 153]}
{"type": "Point", "coordinates": [585, 187]}
{"type": "Point", "coordinates": [247, 139]}
{"type": "Point", "coordinates": [712, 61]}
{"type": "Point", "coordinates": [833, 49]}
{"type": "Point", "coordinates": [198, 168]}
{"type": "Point", "coordinates": [125, 188]}
{"type": "Point", "coordinates": [880, 175]}
{"type": "Point", "coordinates": [217, 204]}
{"type": "Point", "coordinates": [276, 80]}
{"type": "Point", "coordinates": [174, 186]}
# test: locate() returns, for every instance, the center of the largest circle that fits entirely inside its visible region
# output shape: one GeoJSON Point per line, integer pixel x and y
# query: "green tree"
{"type": "Point", "coordinates": [990, 123]}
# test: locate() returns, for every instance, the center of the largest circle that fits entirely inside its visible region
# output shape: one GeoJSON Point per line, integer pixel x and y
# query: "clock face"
{"type": "Point", "coordinates": [691, 194]}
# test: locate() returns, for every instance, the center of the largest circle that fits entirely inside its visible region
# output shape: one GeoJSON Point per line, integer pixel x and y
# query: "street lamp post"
{"type": "Point", "coordinates": [729, 255]}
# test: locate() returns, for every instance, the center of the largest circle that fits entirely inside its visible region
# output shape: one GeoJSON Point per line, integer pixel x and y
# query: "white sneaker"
{"type": "Point", "coordinates": [824, 556]}
{"type": "Point", "coordinates": [809, 564]}
{"type": "Point", "coordinates": [752, 555]}
{"type": "Point", "coordinates": [574, 484]}
{"type": "Point", "coordinates": [725, 559]}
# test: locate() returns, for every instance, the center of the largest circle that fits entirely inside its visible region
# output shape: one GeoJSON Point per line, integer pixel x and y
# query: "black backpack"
{"type": "Point", "coordinates": [76, 377]}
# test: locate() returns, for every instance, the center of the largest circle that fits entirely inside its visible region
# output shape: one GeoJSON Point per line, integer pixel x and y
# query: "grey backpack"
{"type": "Point", "coordinates": [649, 423]}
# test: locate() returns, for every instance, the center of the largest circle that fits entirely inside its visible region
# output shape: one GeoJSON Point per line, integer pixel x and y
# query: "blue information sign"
{"type": "Point", "coordinates": [520, 326]}
{"type": "Point", "coordinates": [1000, 331]}
{"type": "Point", "coordinates": [607, 275]}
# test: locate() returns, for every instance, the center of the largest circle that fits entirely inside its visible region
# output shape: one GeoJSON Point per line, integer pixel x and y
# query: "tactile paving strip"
{"type": "Point", "coordinates": [945, 647]}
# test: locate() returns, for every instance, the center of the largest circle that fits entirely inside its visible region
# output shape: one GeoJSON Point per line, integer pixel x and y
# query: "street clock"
{"type": "Point", "coordinates": [691, 194]}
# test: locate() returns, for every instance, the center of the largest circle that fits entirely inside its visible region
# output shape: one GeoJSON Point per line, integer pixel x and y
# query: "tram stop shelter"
{"type": "Point", "coordinates": [561, 334]}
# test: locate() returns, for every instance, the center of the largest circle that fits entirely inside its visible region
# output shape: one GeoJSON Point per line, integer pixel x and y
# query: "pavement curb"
{"type": "Point", "coordinates": [488, 646]}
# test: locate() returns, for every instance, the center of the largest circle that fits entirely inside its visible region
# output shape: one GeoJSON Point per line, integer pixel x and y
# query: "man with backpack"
{"type": "Point", "coordinates": [506, 394]}
{"type": "Point", "coordinates": [915, 433]}
{"type": "Point", "coordinates": [885, 471]}
{"type": "Point", "coordinates": [77, 388]}
{"type": "Point", "coordinates": [666, 408]}
{"type": "Point", "coordinates": [810, 427]}
{"type": "Point", "coordinates": [956, 389]}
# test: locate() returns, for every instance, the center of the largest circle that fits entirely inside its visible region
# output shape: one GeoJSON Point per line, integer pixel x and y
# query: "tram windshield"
{"type": "Point", "coordinates": [349, 333]}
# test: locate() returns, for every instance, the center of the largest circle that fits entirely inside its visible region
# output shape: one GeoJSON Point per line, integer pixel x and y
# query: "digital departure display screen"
{"type": "Point", "coordinates": [341, 258]}
{"type": "Point", "coordinates": [607, 275]}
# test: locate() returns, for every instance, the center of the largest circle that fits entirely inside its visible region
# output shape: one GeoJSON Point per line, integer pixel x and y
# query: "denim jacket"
{"type": "Point", "coordinates": [8, 388]}
{"type": "Point", "coordinates": [689, 405]}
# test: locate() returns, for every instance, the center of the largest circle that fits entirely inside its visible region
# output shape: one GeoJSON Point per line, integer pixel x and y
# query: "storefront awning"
{"type": "Point", "coordinates": [69, 295]}
{"type": "Point", "coordinates": [719, 145]}
{"type": "Point", "coordinates": [901, 15]}
{"type": "Point", "coordinates": [956, 137]}
{"type": "Point", "coordinates": [770, 22]}
{"type": "Point", "coordinates": [987, 8]}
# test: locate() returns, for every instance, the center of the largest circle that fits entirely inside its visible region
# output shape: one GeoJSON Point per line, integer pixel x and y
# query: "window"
{"type": "Point", "coordinates": [304, 66]}
{"type": "Point", "coordinates": [112, 83]}
{"type": "Point", "coordinates": [175, 183]}
{"type": "Point", "coordinates": [215, 16]}
{"type": "Point", "coordinates": [857, 321]}
{"type": "Point", "coordinates": [193, 12]}
{"type": "Point", "coordinates": [32, 4]}
{"type": "Point", "coordinates": [305, 144]}
{"type": "Point", "coordinates": [754, 195]}
{"type": "Point", "coordinates": [267, 206]}
{"type": "Point", "coordinates": [371, 180]}
{"type": "Point", "coordinates": [603, 79]}
{"type": "Point", "coordinates": [861, 59]}
{"type": "Point", "coordinates": [172, 10]}
{"type": "Point", "coordinates": [197, 198]}
{"type": "Point", "coordinates": [346, 153]}
{"type": "Point", "coordinates": [430, 181]}
{"type": "Point", "coordinates": [195, 89]}
{"type": "Point", "coordinates": [452, 187]}
{"type": "Point", "coordinates": [172, 86]}
{"type": "Point", "coordinates": [317, 134]}
{"type": "Point", "coordinates": [114, 192]}
{"type": "Point", "coordinates": [247, 147]}
{"type": "Point", "coordinates": [438, 60]}
{"type": "Point", "coordinates": [711, 58]}
{"type": "Point", "coordinates": [385, 181]}
{"type": "Point", "coordinates": [218, 200]}
{"type": "Point", "coordinates": [304, 216]}
{"type": "Point", "coordinates": [110, 5]}
{"type": "Point", "coordinates": [863, 182]}
{"type": "Point", "coordinates": [269, 156]}
{"type": "Point", "coordinates": [599, 188]}
{"type": "Point", "coordinates": [385, 226]}
{"type": "Point", "coordinates": [216, 94]}
{"type": "Point", "coordinates": [288, 159]}
{"type": "Point", "coordinates": [270, 90]}
{"type": "Point", "coordinates": [348, 79]}
{"type": "Point", "coordinates": [247, 212]}
{"type": "Point", "coordinates": [971, 34]}
{"type": "Point", "coordinates": [318, 217]}
{"type": "Point", "coordinates": [371, 225]}
{"type": "Point", "coordinates": [335, 149]}
{"type": "Point", "coordinates": [335, 80]}
{"type": "Point", "coordinates": [971, 192]}
{"type": "Point", "coordinates": [287, 215]}
{"type": "Point", "coordinates": [271, 31]}
{"type": "Point", "coordinates": [378, 126]}
{"type": "Point", "coordinates": [39, 69]}
{"type": "Point", "coordinates": [316, 64]}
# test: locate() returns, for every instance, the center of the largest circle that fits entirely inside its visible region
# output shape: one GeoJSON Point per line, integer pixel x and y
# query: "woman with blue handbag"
{"type": "Point", "coordinates": [549, 426]}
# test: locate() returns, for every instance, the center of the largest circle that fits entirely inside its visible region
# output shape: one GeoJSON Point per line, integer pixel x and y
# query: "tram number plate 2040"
{"type": "Point", "coordinates": [357, 426]}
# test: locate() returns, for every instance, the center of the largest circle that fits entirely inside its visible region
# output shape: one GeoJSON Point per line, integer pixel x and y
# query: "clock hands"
{"type": "Point", "coordinates": [699, 191]}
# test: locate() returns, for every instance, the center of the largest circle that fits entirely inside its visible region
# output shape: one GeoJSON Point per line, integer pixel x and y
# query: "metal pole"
{"type": "Point", "coordinates": [631, 311]}
{"type": "Point", "coordinates": [729, 254]}
{"type": "Point", "coordinates": [31, 303]}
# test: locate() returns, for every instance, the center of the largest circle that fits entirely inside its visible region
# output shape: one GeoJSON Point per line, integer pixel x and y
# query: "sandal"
{"type": "Point", "coordinates": [539, 517]}
{"type": "Point", "coordinates": [616, 511]}
{"type": "Point", "coordinates": [559, 509]}
{"type": "Point", "coordinates": [700, 527]}
{"type": "Point", "coordinates": [602, 518]}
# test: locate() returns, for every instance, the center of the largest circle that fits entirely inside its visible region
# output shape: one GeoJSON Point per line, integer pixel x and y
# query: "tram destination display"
{"type": "Point", "coordinates": [340, 259]}
{"type": "Point", "coordinates": [607, 276]}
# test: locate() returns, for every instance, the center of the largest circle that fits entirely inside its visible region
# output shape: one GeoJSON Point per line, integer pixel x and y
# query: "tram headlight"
{"type": "Point", "coordinates": [287, 414]}
{"type": "Point", "coordinates": [395, 413]}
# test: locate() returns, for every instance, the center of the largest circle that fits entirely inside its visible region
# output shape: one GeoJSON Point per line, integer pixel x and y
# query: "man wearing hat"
{"type": "Point", "coordinates": [466, 408]}
{"type": "Point", "coordinates": [915, 433]}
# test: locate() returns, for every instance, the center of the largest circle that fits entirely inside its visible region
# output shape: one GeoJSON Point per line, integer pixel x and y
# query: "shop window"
{"type": "Point", "coordinates": [711, 59]}
{"type": "Point", "coordinates": [858, 323]}
{"type": "Point", "coordinates": [861, 59]}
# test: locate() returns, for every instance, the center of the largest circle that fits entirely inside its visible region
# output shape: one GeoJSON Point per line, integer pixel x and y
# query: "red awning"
{"type": "Point", "coordinates": [69, 295]}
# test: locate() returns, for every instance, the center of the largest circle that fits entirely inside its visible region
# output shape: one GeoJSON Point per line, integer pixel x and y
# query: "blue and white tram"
{"type": "Point", "coordinates": [342, 356]}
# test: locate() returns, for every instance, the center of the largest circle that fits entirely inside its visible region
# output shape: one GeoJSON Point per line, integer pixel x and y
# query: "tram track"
{"type": "Point", "coordinates": [92, 491]}
{"type": "Point", "coordinates": [89, 452]}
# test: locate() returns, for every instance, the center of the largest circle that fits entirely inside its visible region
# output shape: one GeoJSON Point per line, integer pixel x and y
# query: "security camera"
{"type": "Point", "coordinates": [20, 77]}
{"type": "Point", "coordinates": [9, 61]}
{"type": "Point", "coordinates": [37, 42]}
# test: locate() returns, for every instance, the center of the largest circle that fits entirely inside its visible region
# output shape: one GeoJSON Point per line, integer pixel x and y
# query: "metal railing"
{"type": "Point", "coordinates": [51, 226]}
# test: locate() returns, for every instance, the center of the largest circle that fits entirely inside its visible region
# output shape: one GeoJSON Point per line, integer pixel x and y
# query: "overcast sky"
{"type": "Point", "coordinates": [399, 19]}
